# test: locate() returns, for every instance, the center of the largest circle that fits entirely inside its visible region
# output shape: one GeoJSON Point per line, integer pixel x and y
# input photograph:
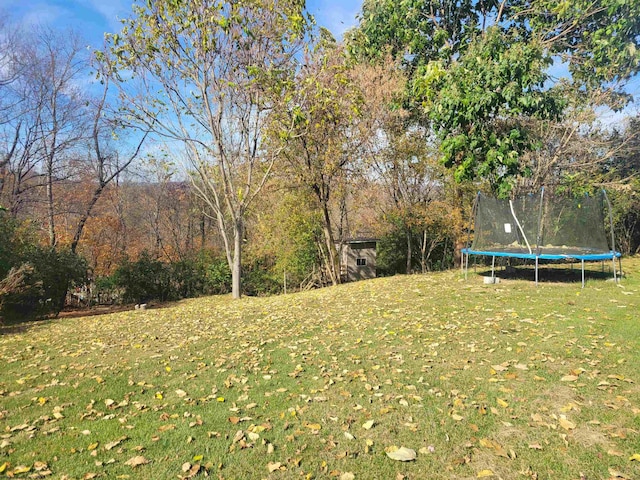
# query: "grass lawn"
{"type": "Point", "coordinates": [482, 381]}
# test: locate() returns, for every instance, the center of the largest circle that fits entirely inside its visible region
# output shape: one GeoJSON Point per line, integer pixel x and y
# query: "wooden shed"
{"type": "Point", "coordinates": [358, 259]}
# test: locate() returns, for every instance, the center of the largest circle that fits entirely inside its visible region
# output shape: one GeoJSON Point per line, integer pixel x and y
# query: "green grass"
{"type": "Point", "coordinates": [508, 379]}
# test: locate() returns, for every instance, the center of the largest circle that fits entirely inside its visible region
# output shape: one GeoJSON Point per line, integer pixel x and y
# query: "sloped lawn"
{"type": "Point", "coordinates": [498, 381]}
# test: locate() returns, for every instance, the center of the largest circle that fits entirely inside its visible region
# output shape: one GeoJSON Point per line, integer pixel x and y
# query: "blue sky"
{"type": "Point", "coordinates": [91, 18]}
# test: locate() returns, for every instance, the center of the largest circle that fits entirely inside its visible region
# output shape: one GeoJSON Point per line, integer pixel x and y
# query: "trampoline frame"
{"type": "Point", "coordinates": [582, 257]}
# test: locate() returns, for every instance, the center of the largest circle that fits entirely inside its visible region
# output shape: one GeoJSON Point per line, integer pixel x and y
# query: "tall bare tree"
{"type": "Point", "coordinates": [207, 73]}
{"type": "Point", "coordinates": [56, 67]}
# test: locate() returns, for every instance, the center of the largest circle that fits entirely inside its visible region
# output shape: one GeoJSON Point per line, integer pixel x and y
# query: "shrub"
{"type": "Point", "coordinates": [46, 275]}
{"type": "Point", "coordinates": [144, 280]}
{"type": "Point", "coordinates": [216, 271]}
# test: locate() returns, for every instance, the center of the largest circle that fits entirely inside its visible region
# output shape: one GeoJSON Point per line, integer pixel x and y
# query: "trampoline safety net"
{"type": "Point", "coordinates": [541, 224]}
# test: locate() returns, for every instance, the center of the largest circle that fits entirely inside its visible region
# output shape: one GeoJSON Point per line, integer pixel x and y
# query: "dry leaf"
{"type": "Point", "coordinates": [273, 466]}
{"type": "Point", "coordinates": [485, 474]}
{"type": "Point", "coordinates": [566, 424]}
{"type": "Point", "coordinates": [368, 425]}
{"type": "Point", "coordinates": [347, 476]}
{"type": "Point", "coordinates": [136, 461]}
{"type": "Point", "coordinates": [617, 474]}
{"type": "Point", "coordinates": [401, 454]}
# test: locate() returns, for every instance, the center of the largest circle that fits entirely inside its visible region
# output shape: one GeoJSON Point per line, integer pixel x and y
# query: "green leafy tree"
{"type": "Point", "coordinates": [481, 104]}
{"type": "Point", "coordinates": [478, 71]}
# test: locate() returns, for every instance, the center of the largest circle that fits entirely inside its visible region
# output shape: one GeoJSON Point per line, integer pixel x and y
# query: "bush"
{"type": "Point", "coordinates": [46, 276]}
{"type": "Point", "coordinates": [217, 273]}
{"type": "Point", "coordinates": [150, 279]}
{"type": "Point", "coordinates": [259, 281]}
{"type": "Point", "coordinates": [144, 280]}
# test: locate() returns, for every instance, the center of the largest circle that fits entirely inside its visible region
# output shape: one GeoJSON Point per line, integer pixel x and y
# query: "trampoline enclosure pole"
{"type": "Point", "coordinates": [583, 273]}
{"type": "Point", "coordinates": [536, 270]}
{"type": "Point", "coordinates": [539, 234]}
{"type": "Point", "coordinates": [613, 238]}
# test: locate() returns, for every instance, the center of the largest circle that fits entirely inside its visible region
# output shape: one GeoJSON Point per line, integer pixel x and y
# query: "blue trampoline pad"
{"type": "Point", "coordinates": [545, 256]}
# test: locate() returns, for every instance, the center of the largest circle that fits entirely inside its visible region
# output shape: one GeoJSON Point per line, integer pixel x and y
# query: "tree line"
{"type": "Point", "coordinates": [212, 144]}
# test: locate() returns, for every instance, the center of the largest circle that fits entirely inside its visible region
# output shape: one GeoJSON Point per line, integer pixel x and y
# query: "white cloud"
{"type": "Point", "coordinates": [112, 11]}
{"type": "Point", "coordinates": [43, 14]}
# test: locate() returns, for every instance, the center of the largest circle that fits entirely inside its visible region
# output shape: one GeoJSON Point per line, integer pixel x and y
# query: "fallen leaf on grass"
{"type": "Point", "coordinates": [617, 474]}
{"type": "Point", "coordinates": [485, 474]}
{"type": "Point", "coordinates": [368, 425]}
{"type": "Point", "coordinates": [347, 476]}
{"type": "Point", "coordinates": [401, 454]}
{"type": "Point", "coordinates": [569, 378]}
{"type": "Point", "coordinates": [273, 466]}
{"type": "Point", "coordinates": [136, 461]}
{"type": "Point", "coordinates": [635, 457]}
{"type": "Point", "coordinates": [566, 424]}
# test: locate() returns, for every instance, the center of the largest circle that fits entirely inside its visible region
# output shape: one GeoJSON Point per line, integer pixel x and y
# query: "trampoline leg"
{"type": "Point", "coordinates": [536, 271]}
{"type": "Point", "coordinates": [620, 268]}
{"type": "Point", "coordinates": [615, 274]}
{"type": "Point", "coordinates": [465, 261]}
{"type": "Point", "coordinates": [493, 267]}
{"type": "Point", "coordinates": [583, 273]}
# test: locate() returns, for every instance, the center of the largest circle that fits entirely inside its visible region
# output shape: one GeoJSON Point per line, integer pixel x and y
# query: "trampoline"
{"type": "Point", "coordinates": [542, 227]}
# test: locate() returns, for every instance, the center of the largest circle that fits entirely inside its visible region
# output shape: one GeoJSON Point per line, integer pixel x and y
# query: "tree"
{"type": "Point", "coordinates": [104, 162]}
{"type": "Point", "coordinates": [58, 104]}
{"type": "Point", "coordinates": [480, 105]}
{"type": "Point", "coordinates": [477, 71]}
{"type": "Point", "coordinates": [208, 73]}
{"type": "Point", "coordinates": [321, 147]}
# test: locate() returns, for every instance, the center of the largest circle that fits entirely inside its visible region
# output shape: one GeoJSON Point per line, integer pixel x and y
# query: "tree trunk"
{"type": "Point", "coordinates": [409, 252]}
{"type": "Point", "coordinates": [236, 268]}
{"type": "Point", "coordinates": [50, 210]}
{"type": "Point", "coordinates": [84, 218]}
{"type": "Point", "coordinates": [458, 229]}
{"type": "Point", "coordinates": [334, 261]}
{"type": "Point", "coordinates": [423, 252]}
